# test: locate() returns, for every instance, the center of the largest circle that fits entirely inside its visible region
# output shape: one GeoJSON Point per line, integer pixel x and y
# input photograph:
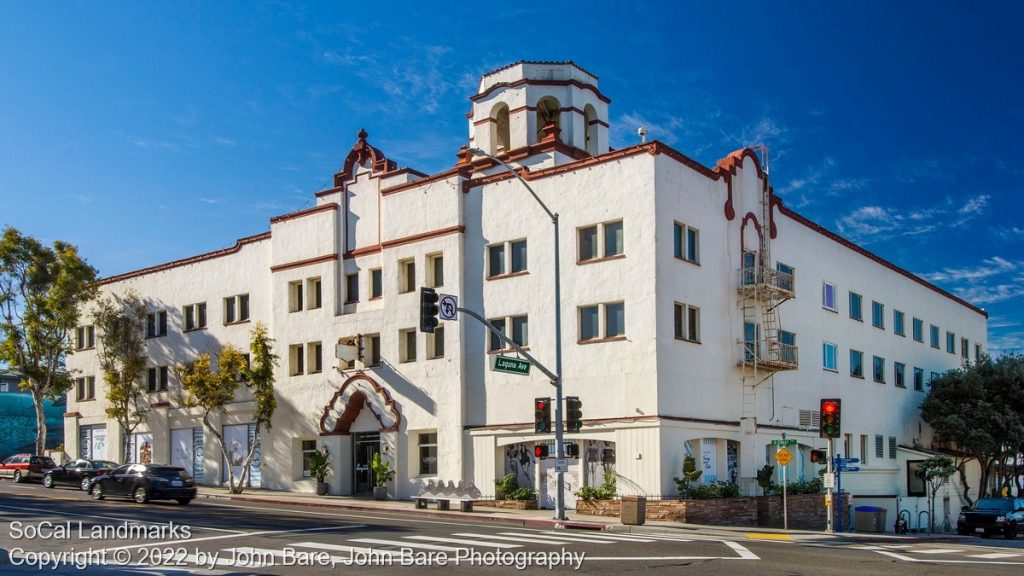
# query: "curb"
{"type": "Point", "coordinates": [524, 522]}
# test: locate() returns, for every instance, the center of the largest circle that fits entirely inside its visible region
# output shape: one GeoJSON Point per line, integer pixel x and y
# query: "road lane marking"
{"type": "Point", "coordinates": [405, 544]}
{"type": "Point", "coordinates": [53, 512]}
{"type": "Point", "coordinates": [567, 538]}
{"type": "Point", "coordinates": [343, 548]}
{"type": "Point", "coordinates": [767, 536]}
{"type": "Point", "coordinates": [466, 542]}
{"type": "Point", "coordinates": [934, 561]}
{"type": "Point", "coordinates": [604, 537]}
{"type": "Point", "coordinates": [241, 535]}
{"type": "Point", "coordinates": [935, 551]}
{"type": "Point", "coordinates": [523, 539]}
{"type": "Point", "coordinates": [997, 555]}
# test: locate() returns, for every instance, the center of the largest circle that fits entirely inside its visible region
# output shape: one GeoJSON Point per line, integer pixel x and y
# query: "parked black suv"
{"type": "Point", "coordinates": [993, 516]}
{"type": "Point", "coordinates": [145, 482]}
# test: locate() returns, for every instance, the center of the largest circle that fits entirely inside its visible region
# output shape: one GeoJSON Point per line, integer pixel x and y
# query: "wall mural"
{"type": "Point", "coordinates": [732, 450]}
{"type": "Point", "coordinates": [598, 456]}
{"type": "Point", "coordinates": [709, 459]}
{"type": "Point", "coordinates": [519, 460]}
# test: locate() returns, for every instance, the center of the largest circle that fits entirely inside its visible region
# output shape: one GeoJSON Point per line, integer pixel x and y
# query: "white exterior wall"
{"type": "Point", "coordinates": [648, 394]}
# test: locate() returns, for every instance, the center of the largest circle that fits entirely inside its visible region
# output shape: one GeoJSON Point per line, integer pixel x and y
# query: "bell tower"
{"type": "Point", "coordinates": [526, 107]}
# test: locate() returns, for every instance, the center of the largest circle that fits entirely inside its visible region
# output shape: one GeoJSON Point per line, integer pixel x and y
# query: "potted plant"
{"type": "Point", "coordinates": [320, 467]}
{"type": "Point", "coordinates": [382, 474]}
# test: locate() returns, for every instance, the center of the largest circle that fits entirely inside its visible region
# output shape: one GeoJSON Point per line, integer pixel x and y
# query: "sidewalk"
{"type": "Point", "coordinates": [544, 518]}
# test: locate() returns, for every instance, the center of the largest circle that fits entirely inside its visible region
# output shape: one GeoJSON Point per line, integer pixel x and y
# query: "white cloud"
{"type": "Point", "coordinates": [989, 267]}
{"type": "Point", "coordinates": [872, 223]}
{"type": "Point", "coordinates": [663, 127]}
{"type": "Point", "coordinates": [225, 141]}
{"type": "Point", "coordinates": [975, 205]}
{"type": "Point", "coordinates": [210, 200]}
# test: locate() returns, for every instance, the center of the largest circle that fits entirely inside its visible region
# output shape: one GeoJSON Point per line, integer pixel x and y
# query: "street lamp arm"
{"type": "Point", "coordinates": [510, 168]}
{"type": "Point", "coordinates": [510, 342]}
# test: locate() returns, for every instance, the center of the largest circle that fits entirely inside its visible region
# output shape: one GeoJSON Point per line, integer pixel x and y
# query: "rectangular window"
{"type": "Point", "coordinates": [686, 320]}
{"type": "Point", "coordinates": [496, 260]}
{"type": "Point", "coordinates": [856, 306]}
{"type": "Point", "coordinates": [195, 316]}
{"type": "Point", "coordinates": [613, 239]}
{"type": "Point", "coordinates": [592, 239]}
{"type": "Point", "coordinates": [786, 276]}
{"type": "Point", "coordinates": [351, 288]}
{"type": "Point", "coordinates": [518, 250]}
{"type": "Point", "coordinates": [589, 323]}
{"type": "Point", "coordinates": [85, 388]}
{"type": "Point", "coordinates": [678, 240]}
{"type": "Point", "coordinates": [587, 241]}
{"type": "Point", "coordinates": [435, 343]}
{"type": "Point", "coordinates": [918, 379]}
{"type": "Point", "coordinates": [296, 360]}
{"type": "Point", "coordinates": [428, 454]}
{"type": "Point", "coordinates": [918, 330]}
{"type": "Point", "coordinates": [156, 324]}
{"type": "Point", "coordinates": [877, 315]}
{"type": "Point", "coordinates": [828, 296]}
{"type": "Point", "coordinates": [495, 342]}
{"type": "Point", "coordinates": [406, 276]}
{"type": "Point", "coordinates": [848, 445]}
{"type": "Point", "coordinates": [878, 369]}
{"type": "Point", "coordinates": [295, 296]}
{"type": "Point", "coordinates": [856, 363]}
{"type": "Point", "coordinates": [900, 370]}
{"type": "Point", "coordinates": [236, 309]}
{"type": "Point", "coordinates": [977, 352]}
{"type": "Point", "coordinates": [686, 242]}
{"type": "Point", "coordinates": [787, 348]}
{"type": "Point", "coordinates": [879, 446]}
{"type": "Point", "coordinates": [371, 349]}
{"type": "Point", "coordinates": [407, 343]}
{"type": "Point", "coordinates": [314, 296]}
{"type": "Point", "coordinates": [950, 342]}
{"type": "Point", "coordinates": [751, 342]}
{"type": "Point", "coordinates": [85, 338]}
{"type": "Point", "coordinates": [315, 361]}
{"type": "Point", "coordinates": [435, 270]}
{"type": "Point", "coordinates": [934, 333]}
{"type": "Point", "coordinates": [898, 321]}
{"type": "Point", "coordinates": [376, 283]}
{"type": "Point", "coordinates": [892, 447]}
{"type": "Point", "coordinates": [520, 330]}
{"type": "Point", "coordinates": [156, 379]}
{"type": "Point", "coordinates": [693, 245]}
{"type": "Point", "coordinates": [308, 448]}
{"type": "Point", "coordinates": [615, 319]}
{"type": "Point", "coordinates": [964, 347]}
{"type": "Point", "coordinates": [863, 448]}
{"type": "Point", "coordinates": [828, 356]}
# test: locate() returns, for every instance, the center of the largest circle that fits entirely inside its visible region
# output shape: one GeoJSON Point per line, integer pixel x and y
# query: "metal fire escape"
{"type": "Point", "coordinates": [764, 349]}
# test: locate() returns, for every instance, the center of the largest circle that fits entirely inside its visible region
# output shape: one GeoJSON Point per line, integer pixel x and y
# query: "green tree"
{"type": "Point", "coordinates": [935, 472]}
{"type": "Point", "coordinates": [120, 322]}
{"type": "Point", "coordinates": [42, 291]}
{"type": "Point", "coordinates": [977, 409]}
{"type": "Point", "coordinates": [211, 388]}
{"type": "Point", "coordinates": [690, 475]}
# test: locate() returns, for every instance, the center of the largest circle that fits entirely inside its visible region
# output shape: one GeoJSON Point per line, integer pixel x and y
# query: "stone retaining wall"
{"type": "Point", "coordinates": [805, 511]}
{"type": "Point", "coordinates": [507, 504]}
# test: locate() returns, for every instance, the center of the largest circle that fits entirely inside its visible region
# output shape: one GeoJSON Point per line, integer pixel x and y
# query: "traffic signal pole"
{"type": "Point", "coordinates": [831, 508]}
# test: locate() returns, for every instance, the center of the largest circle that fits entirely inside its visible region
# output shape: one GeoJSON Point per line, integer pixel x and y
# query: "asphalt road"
{"type": "Point", "coordinates": [62, 531]}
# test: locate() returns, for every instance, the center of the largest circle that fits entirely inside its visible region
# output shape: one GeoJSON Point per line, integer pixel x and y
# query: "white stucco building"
{"type": "Point", "coordinates": [700, 316]}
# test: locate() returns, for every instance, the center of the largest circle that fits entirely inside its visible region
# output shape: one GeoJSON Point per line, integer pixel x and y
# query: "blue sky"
{"type": "Point", "coordinates": [145, 132]}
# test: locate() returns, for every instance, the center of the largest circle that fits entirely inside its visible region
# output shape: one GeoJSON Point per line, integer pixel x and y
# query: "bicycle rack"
{"type": "Point", "coordinates": [925, 512]}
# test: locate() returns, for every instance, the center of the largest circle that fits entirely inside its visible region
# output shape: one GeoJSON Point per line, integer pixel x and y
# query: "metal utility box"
{"type": "Point", "coordinates": [869, 519]}
{"type": "Point", "coordinates": [634, 510]}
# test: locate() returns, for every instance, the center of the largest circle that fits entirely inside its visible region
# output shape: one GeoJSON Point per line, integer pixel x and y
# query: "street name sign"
{"type": "Point", "coordinates": [448, 307]}
{"type": "Point", "coordinates": [510, 365]}
{"type": "Point", "coordinates": [784, 442]}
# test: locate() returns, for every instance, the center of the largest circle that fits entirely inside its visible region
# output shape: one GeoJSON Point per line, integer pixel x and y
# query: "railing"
{"type": "Point", "coordinates": [764, 276]}
{"type": "Point", "coordinates": [772, 354]}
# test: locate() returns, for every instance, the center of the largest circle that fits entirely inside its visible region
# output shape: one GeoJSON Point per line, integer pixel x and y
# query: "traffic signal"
{"type": "Point", "coordinates": [540, 451]}
{"type": "Point", "coordinates": [572, 450]}
{"type": "Point", "coordinates": [831, 415]}
{"type": "Point", "coordinates": [428, 310]}
{"type": "Point", "coordinates": [819, 456]}
{"type": "Point", "coordinates": [573, 414]}
{"type": "Point", "coordinates": [542, 415]}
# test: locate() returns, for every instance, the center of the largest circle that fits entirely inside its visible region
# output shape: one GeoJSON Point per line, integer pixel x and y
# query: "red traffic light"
{"type": "Point", "coordinates": [829, 407]}
{"type": "Point", "coordinates": [540, 451]}
{"type": "Point", "coordinates": [819, 456]}
{"type": "Point", "coordinates": [831, 410]}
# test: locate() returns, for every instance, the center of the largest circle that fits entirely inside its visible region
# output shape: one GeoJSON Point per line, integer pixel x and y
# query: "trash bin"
{"type": "Point", "coordinates": [869, 519]}
{"type": "Point", "coordinates": [634, 509]}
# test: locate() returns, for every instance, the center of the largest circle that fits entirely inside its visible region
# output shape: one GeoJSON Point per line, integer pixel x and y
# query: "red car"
{"type": "Point", "coordinates": [26, 467]}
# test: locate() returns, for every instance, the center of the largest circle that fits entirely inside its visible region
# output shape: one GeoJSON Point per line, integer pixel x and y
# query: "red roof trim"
{"type": "Point", "coordinates": [839, 239]}
{"type": "Point", "coordinates": [306, 262]}
{"type": "Point", "coordinates": [541, 63]}
{"type": "Point", "coordinates": [306, 212]}
{"type": "Point", "coordinates": [186, 261]}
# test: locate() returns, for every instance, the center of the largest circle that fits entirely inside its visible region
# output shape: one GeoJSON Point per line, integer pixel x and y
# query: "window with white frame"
{"type": "Point", "coordinates": [602, 321]}
{"type": "Point", "coordinates": [506, 258]}
{"type": "Point", "coordinates": [315, 357]}
{"type": "Point", "coordinates": [156, 379]}
{"type": "Point", "coordinates": [236, 309]}
{"type": "Point", "coordinates": [918, 329]}
{"type": "Point", "coordinates": [977, 352]}
{"type": "Point", "coordinates": [856, 363]}
{"type": "Point", "coordinates": [407, 345]}
{"type": "Point", "coordinates": [435, 270]}
{"type": "Point", "coordinates": [878, 369]}
{"type": "Point", "coordinates": [950, 342]}
{"type": "Point", "coordinates": [371, 349]}
{"type": "Point", "coordinates": [85, 338]}
{"type": "Point", "coordinates": [687, 322]}
{"type": "Point", "coordinates": [964, 347]}
{"type": "Point", "coordinates": [829, 351]}
{"type": "Point", "coordinates": [352, 288]}
{"type": "Point", "coordinates": [918, 379]}
{"type": "Point", "coordinates": [934, 333]}
{"type": "Point", "coordinates": [85, 388]}
{"type": "Point", "coordinates": [516, 328]}
{"type": "Point", "coordinates": [899, 373]}
{"type": "Point", "coordinates": [406, 276]}
{"type": "Point", "coordinates": [195, 316]}
{"type": "Point", "coordinates": [599, 241]}
{"type": "Point", "coordinates": [877, 314]}
{"type": "Point", "coordinates": [156, 324]}
{"type": "Point", "coordinates": [308, 449]}
{"type": "Point", "coordinates": [314, 295]}
{"type": "Point", "coordinates": [686, 242]}
{"type": "Point", "coordinates": [898, 323]}
{"type": "Point", "coordinates": [427, 453]}
{"type": "Point", "coordinates": [296, 295]}
{"type": "Point", "coordinates": [296, 360]}
{"type": "Point", "coordinates": [828, 296]}
{"type": "Point", "coordinates": [435, 343]}
{"type": "Point", "coordinates": [376, 283]}
{"type": "Point", "coordinates": [856, 306]}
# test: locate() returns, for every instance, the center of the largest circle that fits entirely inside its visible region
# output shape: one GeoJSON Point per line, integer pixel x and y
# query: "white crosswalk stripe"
{"type": "Point", "coordinates": [997, 555]}
{"type": "Point", "coordinates": [935, 551]}
{"type": "Point", "coordinates": [603, 536]}
{"type": "Point", "coordinates": [406, 544]}
{"type": "Point", "coordinates": [521, 539]}
{"type": "Point", "coordinates": [341, 548]}
{"type": "Point", "coordinates": [573, 538]}
{"type": "Point", "coordinates": [466, 542]}
{"type": "Point", "coordinates": [667, 537]}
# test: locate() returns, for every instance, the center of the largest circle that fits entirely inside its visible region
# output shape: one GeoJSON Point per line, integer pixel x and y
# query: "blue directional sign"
{"type": "Point", "coordinates": [849, 460]}
{"type": "Point", "coordinates": [850, 469]}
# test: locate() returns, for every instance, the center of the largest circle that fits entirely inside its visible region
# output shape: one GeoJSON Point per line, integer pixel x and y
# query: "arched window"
{"type": "Point", "coordinates": [590, 129]}
{"type": "Point", "coordinates": [499, 129]}
{"type": "Point", "coordinates": [549, 111]}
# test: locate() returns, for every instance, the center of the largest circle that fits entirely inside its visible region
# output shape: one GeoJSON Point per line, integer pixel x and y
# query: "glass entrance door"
{"type": "Point", "coordinates": [364, 446]}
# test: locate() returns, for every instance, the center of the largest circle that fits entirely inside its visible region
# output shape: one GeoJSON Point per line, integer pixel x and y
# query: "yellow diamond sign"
{"type": "Point", "coordinates": [783, 456]}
